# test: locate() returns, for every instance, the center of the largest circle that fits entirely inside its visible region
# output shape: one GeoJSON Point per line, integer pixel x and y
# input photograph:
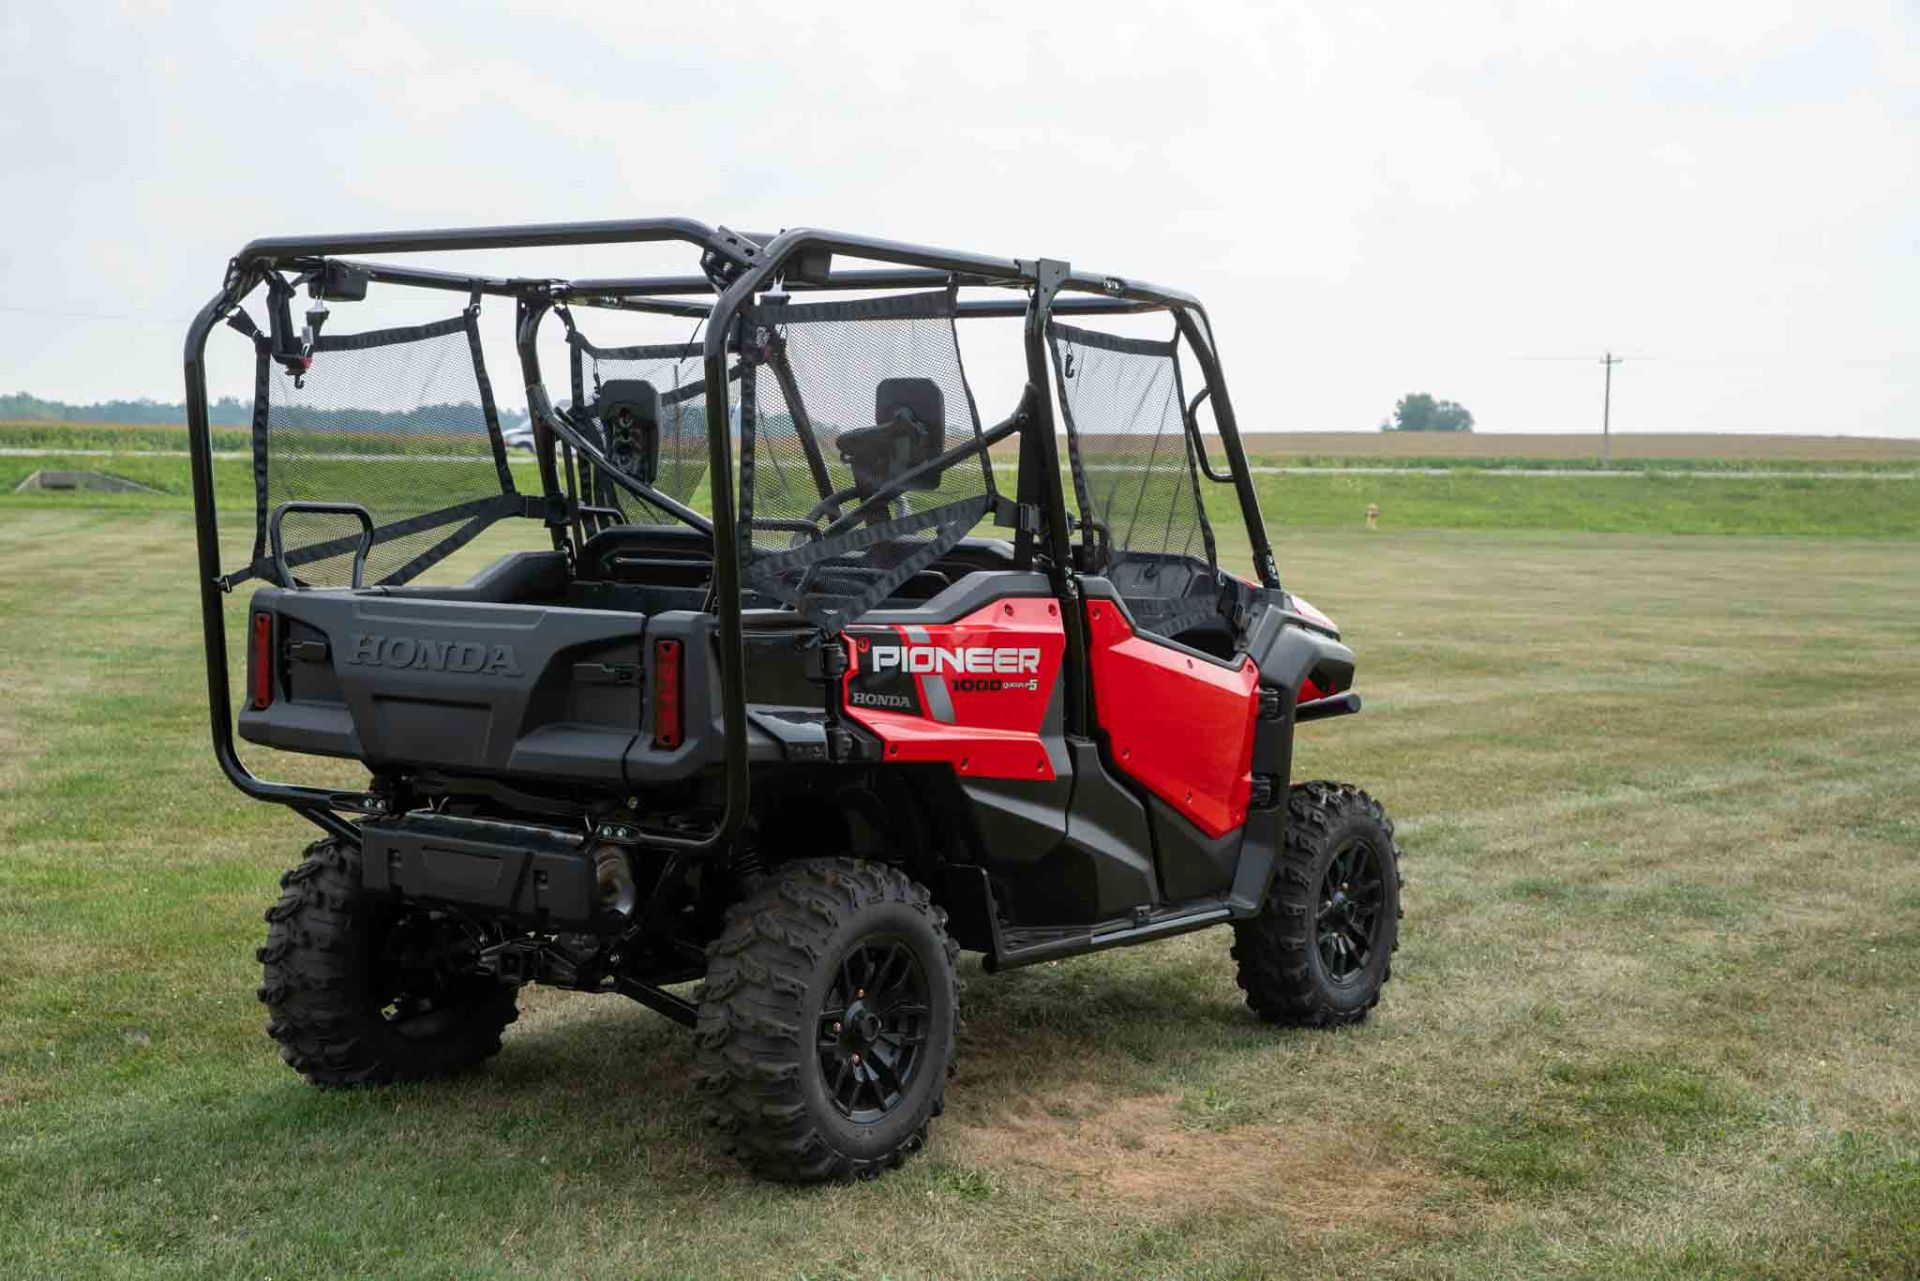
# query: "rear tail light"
{"type": "Point", "coordinates": [667, 695]}
{"type": "Point", "coordinates": [262, 661]}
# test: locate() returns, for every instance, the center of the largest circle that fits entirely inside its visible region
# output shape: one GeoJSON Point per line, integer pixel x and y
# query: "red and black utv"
{"type": "Point", "coordinates": [812, 679]}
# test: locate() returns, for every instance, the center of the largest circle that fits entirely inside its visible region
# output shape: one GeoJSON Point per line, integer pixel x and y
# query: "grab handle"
{"type": "Point", "coordinates": [285, 575]}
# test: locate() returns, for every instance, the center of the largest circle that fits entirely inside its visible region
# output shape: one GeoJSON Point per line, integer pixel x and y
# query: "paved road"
{"type": "Point", "coordinates": [1617, 473]}
{"type": "Point", "coordinates": [513, 456]}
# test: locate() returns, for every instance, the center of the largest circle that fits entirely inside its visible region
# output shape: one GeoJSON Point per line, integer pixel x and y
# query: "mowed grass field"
{"type": "Point", "coordinates": [1709, 449]}
{"type": "Point", "coordinates": [1872, 504]}
{"type": "Point", "coordinates": [1656, 1012]}
{"type": "Point", "coordinates": [1689, 449]}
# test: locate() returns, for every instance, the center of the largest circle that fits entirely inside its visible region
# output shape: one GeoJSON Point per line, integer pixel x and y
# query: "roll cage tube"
{"type": "Point", "coordinates": [1199, 445]}
{"type": "Point", "coordinates": [549, 421]}
{"type": "Point", "coordinates": [728, 252]}
{"type": "Point", "coordinates": [1039, 479]}
{"type": "Point", "coordinates": [740, 266]}
{"type": "Point", "coordinates": [311, 803]}
{"type": "Point", "coordinates": [528, 313]}
{"type": "Point", "coordinates": [1198, 331]}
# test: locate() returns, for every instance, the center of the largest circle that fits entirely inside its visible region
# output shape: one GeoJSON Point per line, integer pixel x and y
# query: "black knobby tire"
{"type": "Point", "coordinates": [1318, 954]}
{"type": "Point", "coordinates": [774, 1046]}
{"type": "Point", "coordinates": [362, 991]}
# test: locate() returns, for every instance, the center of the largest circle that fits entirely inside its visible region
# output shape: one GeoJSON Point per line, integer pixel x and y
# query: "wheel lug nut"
{"type": "Point", "coordinates": [856, 1058]}
{"type": "Point", "coordinates": [836, 1029]}
{"type": "Point", "coordinates": [860, 995]}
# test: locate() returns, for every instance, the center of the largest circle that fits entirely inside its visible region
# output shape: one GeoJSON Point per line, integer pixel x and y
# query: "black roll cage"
{"type": "Point", "coordinates": [739, 266]}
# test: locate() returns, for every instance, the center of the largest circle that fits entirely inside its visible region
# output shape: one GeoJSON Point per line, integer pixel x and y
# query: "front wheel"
{"type": "Point", "coordinates": [827, 1021]}
{"type": "Point", "coordinates": [1322, 946]}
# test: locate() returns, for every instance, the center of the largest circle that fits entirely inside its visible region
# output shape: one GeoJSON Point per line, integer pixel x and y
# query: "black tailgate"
{"type": "Point", "coordinates": [464, 686]}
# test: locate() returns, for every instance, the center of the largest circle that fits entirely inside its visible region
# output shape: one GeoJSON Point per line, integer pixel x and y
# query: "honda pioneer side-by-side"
{"type": "Point", "coordinates": [812, 676]}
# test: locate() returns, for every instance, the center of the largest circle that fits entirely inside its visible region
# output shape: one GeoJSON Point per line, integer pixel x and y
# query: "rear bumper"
{"type": "Point", "coordinates": [540, 878]}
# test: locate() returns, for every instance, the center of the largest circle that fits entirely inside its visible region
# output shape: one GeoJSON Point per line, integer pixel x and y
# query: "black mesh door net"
{"type": "Point", "coordinates": [667, 451]}
{"type": "Point", "coordinates": [862, 459]}
{"type": "Point", "coordinates": [1134, 477]}
{"type": "Point", "coordinates": [400, 422]}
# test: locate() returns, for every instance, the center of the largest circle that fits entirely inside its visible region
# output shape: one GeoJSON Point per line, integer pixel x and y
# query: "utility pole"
{"type": "Point", "coordinates": [1606, 411]}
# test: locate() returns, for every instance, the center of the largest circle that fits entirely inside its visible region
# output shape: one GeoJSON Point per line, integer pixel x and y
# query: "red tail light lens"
{"type": "Point", "coordinates": [668, 701]}
{"type": "Point", "coordinates": [262, 661]}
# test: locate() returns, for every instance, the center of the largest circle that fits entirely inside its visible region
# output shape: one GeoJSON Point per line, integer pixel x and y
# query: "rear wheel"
{"type": "Point", "coordinates": [1322, 946]}
{"type": "Point", "coordinates": [363, 991]}
{"type": "Point", "coordinates": [827, 1021]}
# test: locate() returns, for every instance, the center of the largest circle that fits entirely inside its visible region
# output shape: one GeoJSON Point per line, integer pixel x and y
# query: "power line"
{"type": "Point", "coordinates": [1585, 358]}
{"type": "Point", "coordinates": [89, 315]}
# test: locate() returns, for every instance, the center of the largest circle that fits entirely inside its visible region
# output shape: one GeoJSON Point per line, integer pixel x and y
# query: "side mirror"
{"type": "Point", "coordinates": [339, 282]}
{"type": "Point", "coordinates": [909, 431]}
{"type": "Point", "coordinates": [628, 411]}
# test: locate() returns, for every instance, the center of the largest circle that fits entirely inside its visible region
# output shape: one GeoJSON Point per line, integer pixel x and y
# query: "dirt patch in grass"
{"type": "Point", "coordinates": [1142, 1154]}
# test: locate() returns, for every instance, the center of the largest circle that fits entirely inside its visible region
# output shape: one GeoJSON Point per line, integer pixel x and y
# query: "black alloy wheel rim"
{"type": "Point", "coordinates": [874, 1023]}
{"type": "Point", "coordinates": [1352, 900]}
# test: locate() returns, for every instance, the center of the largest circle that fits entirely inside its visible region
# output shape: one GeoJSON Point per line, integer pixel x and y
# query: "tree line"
{"type": "Point", "coordinates": [1419, 411]}
{"type": "Point", "coordinates": [1416, 411]}
{"type": "Point", "coordinates": [227, 411]}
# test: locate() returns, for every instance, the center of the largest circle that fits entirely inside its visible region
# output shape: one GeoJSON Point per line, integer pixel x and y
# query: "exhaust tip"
{"type": "Point", "coordinates": [613, 875]}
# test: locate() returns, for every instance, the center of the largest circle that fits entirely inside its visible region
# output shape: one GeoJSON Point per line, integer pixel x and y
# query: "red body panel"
{"type": "Point", "coordinates": [1180, 725]}
{"type": "Point", "coordinates": [1306, 609]}
{"type": "Point", "coordinates": [1309, 691]}
{"type": "Point", "coordinates": [973, 692]}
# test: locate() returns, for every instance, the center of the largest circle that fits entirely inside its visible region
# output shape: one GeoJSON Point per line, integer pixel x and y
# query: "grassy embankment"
{"type": "Point", "coordinates": [1656, 1013]}
{"type": "Point", "coordinates": [1464, 499]}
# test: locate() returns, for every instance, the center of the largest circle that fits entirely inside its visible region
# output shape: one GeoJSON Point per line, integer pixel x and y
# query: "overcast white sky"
{"type": "Point", "coordinates": [1473, 200]}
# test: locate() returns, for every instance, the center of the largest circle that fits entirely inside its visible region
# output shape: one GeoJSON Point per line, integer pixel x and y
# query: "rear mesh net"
{"type": "Point", "coordinates": [398, 421]}
{"type": "Point", "coordinates": [820, 371]}
{"type": "Point", "coordinates": [1133, 475]}
{"type": "Point", "coordinates": [677, 373]}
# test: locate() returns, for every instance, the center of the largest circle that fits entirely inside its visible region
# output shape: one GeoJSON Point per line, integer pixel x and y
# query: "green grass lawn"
{"type": "Point", "coordinates": [1657, 1010]}
{"type": "Point", "coordinates": [1640, 503]}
